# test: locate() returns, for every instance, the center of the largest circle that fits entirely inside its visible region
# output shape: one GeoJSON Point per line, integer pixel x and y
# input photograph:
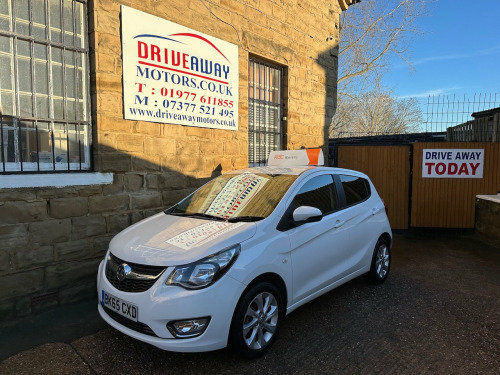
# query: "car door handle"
{"type": "Point", "coordinates": [376, 210]}
{"type": "Point", "coordinates": [339, 223]}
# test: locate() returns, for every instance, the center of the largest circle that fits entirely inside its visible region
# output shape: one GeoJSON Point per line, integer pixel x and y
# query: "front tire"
{"type": "Point", "coordinates": [381, 263]}
{"type": "Point", "coordinates": [256, 320]}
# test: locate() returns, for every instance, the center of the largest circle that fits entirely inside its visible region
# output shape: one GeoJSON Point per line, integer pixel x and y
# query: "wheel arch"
{"type": "Point", "coordinates": [386, 236]}
{"type": "Point", "coordinates": [233, 337]}
{"type": "Point", "coordinates": [274, 279]}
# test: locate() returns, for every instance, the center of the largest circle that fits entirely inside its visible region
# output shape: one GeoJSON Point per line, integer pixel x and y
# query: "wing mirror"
{"type": "Point", "coordinates": [307, 214]}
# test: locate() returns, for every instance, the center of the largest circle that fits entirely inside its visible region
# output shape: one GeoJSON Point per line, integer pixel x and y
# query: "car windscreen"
{"type": "Point", "coordinates": [236, 197]}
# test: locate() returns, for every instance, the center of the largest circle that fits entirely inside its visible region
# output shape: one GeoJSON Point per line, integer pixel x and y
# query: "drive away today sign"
{"type": "Point", "coordinates": [176, 75]}
{"type": "Point", "coordinates": [453, 163]}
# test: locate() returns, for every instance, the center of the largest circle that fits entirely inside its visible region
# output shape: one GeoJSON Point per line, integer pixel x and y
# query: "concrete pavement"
{"type": "Point", "coordinates": [438, 312]}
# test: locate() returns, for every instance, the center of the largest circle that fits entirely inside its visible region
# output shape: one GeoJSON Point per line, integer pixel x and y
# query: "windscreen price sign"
{"type": "Point", "coordinates": [176, 75]}
{"type": "Point", "coordinates": [453, 163]}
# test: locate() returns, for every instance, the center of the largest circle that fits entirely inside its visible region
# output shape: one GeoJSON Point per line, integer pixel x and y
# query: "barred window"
{"type": "Point", "coordinates": [44, 95]}
{"type": "Point", "coordinates": [265, 111]}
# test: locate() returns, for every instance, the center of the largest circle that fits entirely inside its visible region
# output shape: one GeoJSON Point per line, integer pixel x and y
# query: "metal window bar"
{"type": "Point", "coordinates": [19, 152]}
{"type": "Point", "coordinates": [265, 129]}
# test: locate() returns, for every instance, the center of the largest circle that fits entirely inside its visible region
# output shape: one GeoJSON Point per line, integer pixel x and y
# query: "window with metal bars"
{"type": "Point", "coordinates": [265, 111]}
{"type": "Point", "coordinates": [44, 80]}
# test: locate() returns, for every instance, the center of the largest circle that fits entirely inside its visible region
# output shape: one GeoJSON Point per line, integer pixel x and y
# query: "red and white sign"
{"type": "Point", "coordinates": [452, 163]}
{"type": "Point", "coordinates": [236, 195]}
{"type": "Point", "coordinates": [176, 75]}
{"type": "Point", "coordinates": [290, 158]}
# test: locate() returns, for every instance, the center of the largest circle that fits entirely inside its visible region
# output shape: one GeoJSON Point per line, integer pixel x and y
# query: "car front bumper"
{"type": "Point", "coordinates": [162, 304]}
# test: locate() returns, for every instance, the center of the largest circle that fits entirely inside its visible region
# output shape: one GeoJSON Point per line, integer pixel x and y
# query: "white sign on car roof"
{"type": "Point", "coordinates": [290, 158]}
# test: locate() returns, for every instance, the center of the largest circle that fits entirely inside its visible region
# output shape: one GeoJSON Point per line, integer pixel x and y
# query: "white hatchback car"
{"type": "Point", "coordinates": [227, 263]}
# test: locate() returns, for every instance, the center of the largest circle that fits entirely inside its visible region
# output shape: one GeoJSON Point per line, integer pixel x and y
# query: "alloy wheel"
{"type": "Point", "coordinates": [261, 321]}
{"type": "Point", "coordinates": [382, 261]}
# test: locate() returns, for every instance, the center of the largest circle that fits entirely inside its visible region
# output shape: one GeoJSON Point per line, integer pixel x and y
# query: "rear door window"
{"type": "Point", "coordinates": [356, 189]}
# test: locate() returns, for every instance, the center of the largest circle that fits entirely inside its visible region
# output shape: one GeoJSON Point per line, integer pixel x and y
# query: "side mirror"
{"type": "Point", "coordinates": [307, 214]}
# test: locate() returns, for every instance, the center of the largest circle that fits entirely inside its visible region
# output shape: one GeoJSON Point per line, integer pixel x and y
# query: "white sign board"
{"type": "Point", "coordinates": [176, 75]}
{"type": "Point", "coordinates": [290, 158]}
{"type": "Point", "coordinates": [202, 234]}
{"type": "Point", "coordinates": [452, 163]}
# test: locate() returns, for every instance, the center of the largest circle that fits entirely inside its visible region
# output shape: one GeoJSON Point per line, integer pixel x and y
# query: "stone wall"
{"type": "Point", "coordinates": [53, 238]}
{"type": "Point", "coordinates": [488, 219]}
{"type": "Point", "coordinates": [301, 35]}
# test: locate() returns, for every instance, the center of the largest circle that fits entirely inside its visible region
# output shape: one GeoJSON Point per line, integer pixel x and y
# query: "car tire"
{"type": "Point", "coordinates": [256, 320]}
{"type": "Point", "coordinates": [381, 263]}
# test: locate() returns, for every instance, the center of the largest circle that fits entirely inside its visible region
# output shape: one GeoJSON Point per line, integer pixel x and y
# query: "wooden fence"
{"type": "Point", "coordinates": [486, 129]}
{"type": "Point", "coordinates": [415, 201]}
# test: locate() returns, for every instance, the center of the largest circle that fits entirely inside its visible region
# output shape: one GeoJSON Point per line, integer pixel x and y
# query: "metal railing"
{"type": "Point", "coordinates": [461, 119]}
{"type": "Point", "coordinates": [464, 119]}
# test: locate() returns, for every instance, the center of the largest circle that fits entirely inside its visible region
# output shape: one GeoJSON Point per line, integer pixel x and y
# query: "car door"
{"type": "Point", "coordinates": [360, 214]}
{"type": "Point", "coordinates": [318, 249]}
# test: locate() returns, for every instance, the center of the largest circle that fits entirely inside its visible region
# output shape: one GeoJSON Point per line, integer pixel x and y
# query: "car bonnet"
{"type": "Point", "coordinates": [169, 240]}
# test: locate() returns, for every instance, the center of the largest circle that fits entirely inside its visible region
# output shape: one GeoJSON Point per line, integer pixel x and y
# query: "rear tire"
{"type": "Point", "coordinates": [381, 263]}
{"type": "Point", "coordinates": [256, 320]}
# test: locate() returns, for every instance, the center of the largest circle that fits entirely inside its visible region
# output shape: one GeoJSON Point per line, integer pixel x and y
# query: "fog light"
{"type": "Point", "coordinates": [188, 328]}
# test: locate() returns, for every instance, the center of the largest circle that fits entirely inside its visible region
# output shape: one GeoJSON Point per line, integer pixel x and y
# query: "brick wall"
{"type": "Point", "coordinates": [53, 238]}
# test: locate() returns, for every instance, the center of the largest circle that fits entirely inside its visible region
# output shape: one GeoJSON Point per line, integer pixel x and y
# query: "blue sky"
{"type": "Point", "coordinates": [458, 53]}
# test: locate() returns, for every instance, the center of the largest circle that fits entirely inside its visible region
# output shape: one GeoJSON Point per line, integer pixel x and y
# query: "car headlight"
{"type": "Point", "coordinates": [206, 271]}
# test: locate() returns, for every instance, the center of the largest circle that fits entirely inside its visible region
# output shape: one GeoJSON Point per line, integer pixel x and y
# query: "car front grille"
{"type": "Point", "coordinates": [135, 326]}
{"type": "Point", "coordinates": [140, 278]}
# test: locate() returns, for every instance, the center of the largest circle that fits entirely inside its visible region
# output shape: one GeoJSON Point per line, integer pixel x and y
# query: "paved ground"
{"type": "Point", "coordinates": [439, 312]}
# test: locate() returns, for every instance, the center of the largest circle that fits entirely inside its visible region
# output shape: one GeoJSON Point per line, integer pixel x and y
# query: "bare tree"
{"type": "Point", "coordinates": [376, 113]}
{"type": "Point", "coordinates": [371, 33]}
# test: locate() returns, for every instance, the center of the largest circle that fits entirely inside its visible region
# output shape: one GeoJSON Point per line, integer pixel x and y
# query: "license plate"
{"type": "Point", "coordinates": [120, 306]}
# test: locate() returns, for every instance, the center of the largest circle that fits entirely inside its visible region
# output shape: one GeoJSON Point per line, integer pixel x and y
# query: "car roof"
{"type": "Point", "coordinates": [296, 170]}
{"type": "Point", "coordinates": [273, 170]}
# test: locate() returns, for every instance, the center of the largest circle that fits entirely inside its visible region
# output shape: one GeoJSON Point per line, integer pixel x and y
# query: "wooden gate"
{"type": "Point", "coordinates": [450, 202]}
{"type": "Point", "coordinates": [396, 172]}
{"type": "Point", "coordinates": [389, 169]}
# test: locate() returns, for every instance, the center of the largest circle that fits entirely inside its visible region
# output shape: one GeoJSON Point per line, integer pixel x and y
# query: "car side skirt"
{"type": "Point", "coordinates": [328, 288]}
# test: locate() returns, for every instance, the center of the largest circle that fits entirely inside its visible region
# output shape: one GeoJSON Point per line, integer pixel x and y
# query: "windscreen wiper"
{"type": "Point", "coordinates": [203, 216]}
{"type": "Point", "coordinates": [244, 218]}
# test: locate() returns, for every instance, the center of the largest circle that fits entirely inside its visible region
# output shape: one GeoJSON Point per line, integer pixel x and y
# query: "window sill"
{"type": "Point", "coordinates": [54, 180]}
